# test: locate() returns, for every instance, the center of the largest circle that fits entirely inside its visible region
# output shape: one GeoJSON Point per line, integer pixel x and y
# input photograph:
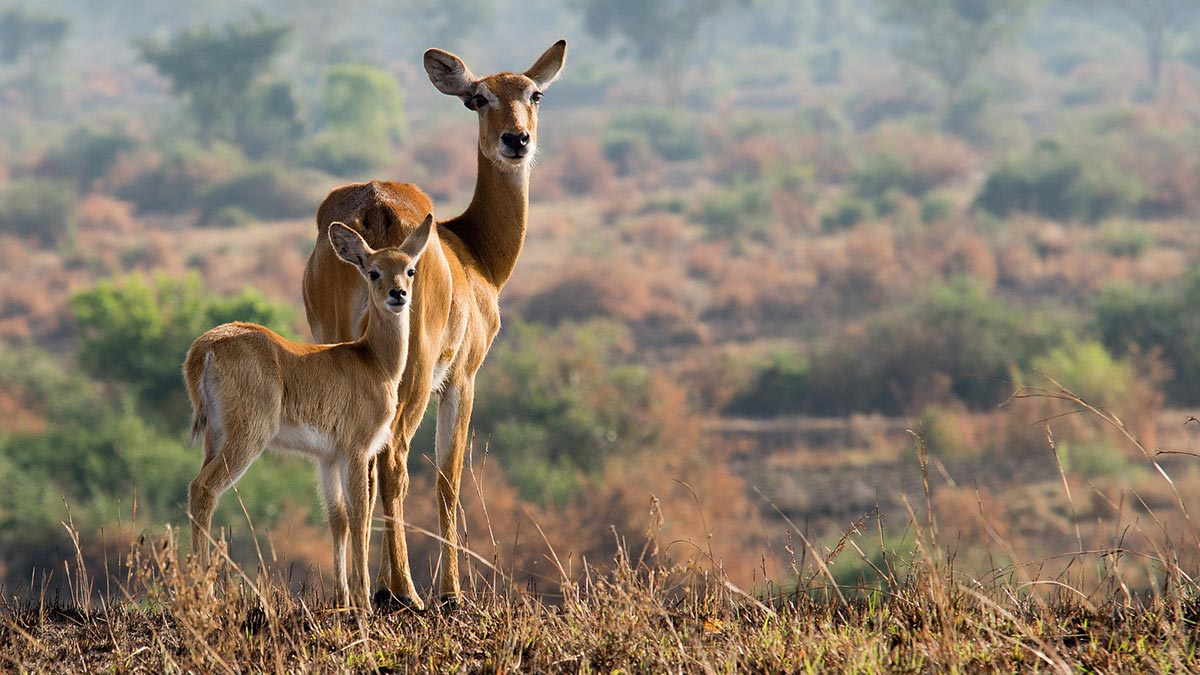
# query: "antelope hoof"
{"type": "Point", "coordinates": [449, 602]}
{"type": "Point", "coordinates": [387, 602]}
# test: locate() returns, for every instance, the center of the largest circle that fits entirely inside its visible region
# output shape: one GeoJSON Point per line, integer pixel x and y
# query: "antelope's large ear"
{"type": "Point", "coordinates": [349, 246]}
{"type": "Point", "coordinates": [548, 65]}
{"type": "Point", "coordinates": [449, 74]}
{"type": "Point", "coordinates": [416, 242]}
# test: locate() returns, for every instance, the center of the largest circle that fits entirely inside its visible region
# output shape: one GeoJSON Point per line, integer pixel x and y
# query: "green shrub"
{"type": "Point", "coordinates": [1163, 322]}
{"type": "Point", "coordinates": [138, 333]}
{"type": "Point", "coordinates": [86, 155]}
{"type": "Point", "coordinates": [627, 150]}
{"type": "Point", "coordinates": [1056, 182]}
{"type": "Point", "coordinates": [557, 403]}
{"type": "Point", "coordinates": [782, 387]}
{"type": "Point", "coordinates": [672, 134]}
{"type": "Point", "coordinates": [935, 209]}
{"type": "Point", "coordinates": [732, 213]}
{"type": "Point", "coordinates": [343, 153]}
{"type": "Point", "coordinates": [1126, 240]}
{"type": "Point", "coordinates": [365, 101]}
{"type": "Point", "coordinates": [952, 340]}
{"type": "Point", "coordinates": [40, 209]}
{"type": "Point", "coordinates": [848, 212]}
{"type": "Point", "coordinates": [1089, 370]}
{"type": "Point", "coordinates": [175, 181]}
{"type": "Point", "coordinates": [267, 191]}
{"type": "Point", "coordinates": [1092, 460]}
{"type": "Point", "coordinates": [97, 454]}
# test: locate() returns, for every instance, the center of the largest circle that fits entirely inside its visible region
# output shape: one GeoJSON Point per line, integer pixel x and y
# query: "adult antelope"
{"type": "Point", "coordinates": [251, 388]}
{"type": "Point", "coordinates": [456, 312]}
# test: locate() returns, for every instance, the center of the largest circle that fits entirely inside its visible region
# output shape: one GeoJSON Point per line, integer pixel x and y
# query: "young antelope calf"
{"type": "Point", "coordinates": [251, 388]}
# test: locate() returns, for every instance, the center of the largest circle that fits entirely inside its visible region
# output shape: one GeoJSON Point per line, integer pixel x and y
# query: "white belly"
{"type": "Point", "coordinates": [310, 442]}
{"type": "Point", "coordinates": [305, 440]}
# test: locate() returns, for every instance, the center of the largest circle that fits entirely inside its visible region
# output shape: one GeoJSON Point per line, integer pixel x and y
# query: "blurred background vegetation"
{"type": "Point", "coordinates": [766, 237]}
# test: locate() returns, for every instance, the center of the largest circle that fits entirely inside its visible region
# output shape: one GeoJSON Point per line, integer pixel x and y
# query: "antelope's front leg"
{"type": "Point", "coordinates": [332, 490]}
{"type": "Point", "coordinates": [454, 419]}
{"type": "Point", "coordinates": [359, 493]}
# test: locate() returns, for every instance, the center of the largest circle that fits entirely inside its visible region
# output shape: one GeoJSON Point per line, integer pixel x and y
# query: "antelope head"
{"type": "Point", "coordinates": [390, 271]}
{"type": "Point", "coordinates": [507, 103]}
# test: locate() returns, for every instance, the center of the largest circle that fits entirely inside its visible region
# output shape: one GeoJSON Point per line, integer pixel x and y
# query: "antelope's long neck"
{"type": "Point", "coordinates": [493, 226]}
{"type": "Point", "coordinates": [386, 338]}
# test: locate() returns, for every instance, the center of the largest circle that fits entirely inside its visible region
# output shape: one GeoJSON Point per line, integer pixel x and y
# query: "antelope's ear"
{"type": "Point", "coordinates": [449, 74]}
{"type": "Point", "coordinates": [416, 242]}
{"type": "Point", "coordinates": [349, 246]}
{"type": "Point", "coordinates": [548, 65]}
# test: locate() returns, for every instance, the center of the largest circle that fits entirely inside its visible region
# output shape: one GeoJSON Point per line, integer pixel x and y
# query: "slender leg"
{"type": "Point", "coordinates": [334, 493]}
{"type": "Point", "coordinates": [358, 490]}
{"type": "Point", "coordinates": [394, 574]}
{"type": "Point", "coordinates": [454, 418]}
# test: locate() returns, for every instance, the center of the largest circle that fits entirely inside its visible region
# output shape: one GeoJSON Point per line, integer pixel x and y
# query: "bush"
{"type": "Point", "coordinates": [342, 153]}
{"type": "Point", "coordinates": [174, 181]}
{"type": "Point", "coordinates": [39, 209]}
{"type": "Point", "coordinates": [910, 160]}
{"type": "Point", "coordinates": [557, 404]}
{"type": "Point", "coordinates": [1058, 183]}
{"type": "Point", "coordinates": [267, 191]}
{"type": "Point", "coordinates": [364, 101]}
{"type": "Point", "coordinates": [1162, 322]}
{"type": "Point", "coordinates": [782, 387]}
{"type": "Point", "coordinates": [732, 213]}
{"type": "Point", "coordinates": [952, 342]}
{"type": "Point", "coordinates": [848, 212]}
{"type": "Point", "coordinates": [1087, 369]}
{"type": "Point", "coordinates": [1092, 460]}
{"type": "Point", "coordinates": [671, 134]}
{"type": "Point", "coordinates": [86, 155]}
{"type": "Point", "coordinates": [137, 333]}
{"type": "Point", "coordinates": [935, 209]}
{"type": "Point", "coordinates": [97, 454]}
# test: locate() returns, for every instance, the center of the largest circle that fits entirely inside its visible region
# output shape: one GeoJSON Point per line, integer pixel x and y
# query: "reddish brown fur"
{"type": "Point", "coordinates": [456, 311]}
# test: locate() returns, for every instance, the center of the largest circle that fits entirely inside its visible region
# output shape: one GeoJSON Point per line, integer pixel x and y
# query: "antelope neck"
{"type": "Point", "coordinates": [493, 225]}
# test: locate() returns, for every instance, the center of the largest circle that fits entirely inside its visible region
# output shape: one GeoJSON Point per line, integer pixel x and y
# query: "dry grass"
{"type": "Point", "coordinates": [1121, 608]}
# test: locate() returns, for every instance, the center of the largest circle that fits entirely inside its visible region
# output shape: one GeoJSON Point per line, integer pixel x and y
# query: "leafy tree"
{"type": "Point", "coordinates": [39, 208]}
{"type": "Point", "coordinates": [1059, 182]}
{"type": "Point", "coordinates": [96, 453]}
{"type": "Point", "coordinates": [137, 333]}
{"type": "Point", "coordinates": [35, 38]}
{"type": "Point", "coordinates": [26, 33]}
{"type": "Point", "coordinates": [660, 34]}
{"type": "Point", "coordinates": [218, 73]}
{"type": "Point", "coordinates": [1162, 322]}
{"type": "Point", "coordinates": [954, 340]}
{"type": "Point", "coordinates": [557, 404]}
{"type": "Point", "coordinates": [86, 155]}
{"type": "Point", "coordinates": [1161, 24]}
{"type": "Point", "coordinates": [953, 39]}
{"type": "Point", "coordinates": [364, 119]}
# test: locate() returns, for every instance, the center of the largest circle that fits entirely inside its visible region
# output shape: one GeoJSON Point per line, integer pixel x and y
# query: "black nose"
{"type": "Point", "coordinates": [515, 141]}
{"type": "Point", "coordinates": [398, 293]}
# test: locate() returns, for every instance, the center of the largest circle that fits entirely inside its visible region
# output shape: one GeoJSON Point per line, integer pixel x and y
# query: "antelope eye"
{"type": "Point", "coordinates": [373, 275]}
{"type": "Point", "coordinates": [412, 272]}
{"type": "Point", "coordinates": [536, 97]}
{"type": "Point", "coordinates": [477, 101]}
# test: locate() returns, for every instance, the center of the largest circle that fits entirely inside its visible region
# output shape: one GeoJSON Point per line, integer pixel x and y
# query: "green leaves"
{"type": "Point", "coordinates": [137, 333]}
